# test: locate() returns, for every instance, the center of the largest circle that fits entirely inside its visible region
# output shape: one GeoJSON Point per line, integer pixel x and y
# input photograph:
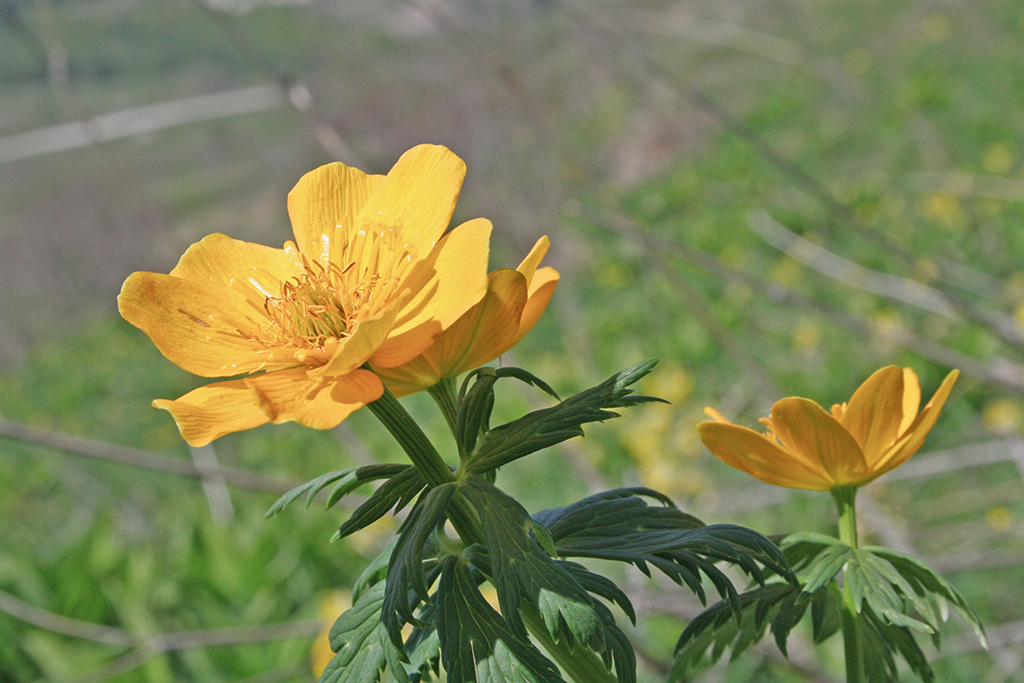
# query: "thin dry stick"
{"type": "Point", "coordinates": [99, 450]}
{"type": "Point", "coordinates": [649, 68]}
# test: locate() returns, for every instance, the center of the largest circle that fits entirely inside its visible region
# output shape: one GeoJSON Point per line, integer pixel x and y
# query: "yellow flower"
{"type": "Point", "coordinates": [514, 301]}
{"type": "Point", "coordinates": [369, 279]}
{"type": "Point", "coordinates": [809, 448]}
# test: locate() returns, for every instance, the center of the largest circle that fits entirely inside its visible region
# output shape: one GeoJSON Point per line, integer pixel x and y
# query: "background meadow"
{"type": "Point", "coordinates": [776, 198]}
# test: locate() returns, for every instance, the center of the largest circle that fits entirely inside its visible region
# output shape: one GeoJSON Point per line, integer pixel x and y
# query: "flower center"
{"type": "Point", "coordinates": [311, 309]}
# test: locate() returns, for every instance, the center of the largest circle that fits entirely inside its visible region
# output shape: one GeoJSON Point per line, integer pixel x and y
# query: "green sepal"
{"type": "Point", "coordinates": [521, 571]}
{"type": "Point", "coordinates": [477, 645]}
{"type": "Point", "coordinates": [549, 426]}
{"type": "Point", "coordinates": [394, 494]}
{"type": "Point", "coordinates": [348, 480]}
{"type": "Point", "coordinates": [407, 582]}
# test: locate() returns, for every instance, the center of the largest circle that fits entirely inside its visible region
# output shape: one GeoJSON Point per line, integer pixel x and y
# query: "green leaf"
{"type": "Point", "coordinates": [348, 480]}
{"type": "Point", "coordinates": [521, 570]}
{"type": "Point", "coordinates": [826, 604]}
{"type": "Point", "coordinates": [407, 582]}
{"type": "Point", "coordinates": [543, 428]}
{"type": "Point", "coordinates": [477, 644]}
{"type": "Point", "coordinates": [619, 525]}
{"type": "Point", "coordinates": [395, 493]}
{"type": "Point", "coordinates": [802, 548]}
{"type": "Point", "coordinates": [825, 566]}
{"type": "Point", "coordinates": [924, 581]}
{"type": "Point", "coordinates": [880, 593]}
{"type": "Point", "coordinates": [476, 400]}
{"type": "Point", "coordinates": [359, 638]}
{"type": "Point", "coordinates": [722, 627]}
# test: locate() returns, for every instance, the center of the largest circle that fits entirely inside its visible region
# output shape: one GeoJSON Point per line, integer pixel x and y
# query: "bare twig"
{"type": "Point", "coordinates": [99, 450]}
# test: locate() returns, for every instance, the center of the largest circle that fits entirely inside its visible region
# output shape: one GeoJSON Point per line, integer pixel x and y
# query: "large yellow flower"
{"type": "Point", "coordinates": [808, 448]}
{"type": "Point", "coordinates": [369, 279]}
{"type": "Point", "coordinates": [514, 301]}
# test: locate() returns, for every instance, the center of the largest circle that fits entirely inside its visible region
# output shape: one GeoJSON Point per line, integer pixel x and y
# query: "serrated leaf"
{"type": "Point", "coordinates": [619, 525]}
{"type": "Point", "coordinates": [549, 426]}
{"type": "Point", "coordinates": [406, 582]}
{"type": "Point", "coordinates": [926, 581]}
{"type": "Point", "coordinates": [348, 480]}
{"type": "Point", "coordinates": [721, 627]}
{"type": "Point", "coordinates": [825, 566]}
{"type": "Point", "coordinates": [394, 494]}
{"type": "Point", "coordinates": [314, 485]}
{"type": "Point", "coordinates": [521, 570]}
{"type": "Point", "coordinates": [889, 591]}
{"type": "Point", "coordinates": [362, 644]}
{"type": "Point", "coordinates": [477, 644]}
{"type": "Point", "coordinates": [826, 604]}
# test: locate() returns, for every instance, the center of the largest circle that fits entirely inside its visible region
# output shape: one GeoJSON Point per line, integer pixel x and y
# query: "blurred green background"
{"type": "Point", "coordinates": [775, 197]}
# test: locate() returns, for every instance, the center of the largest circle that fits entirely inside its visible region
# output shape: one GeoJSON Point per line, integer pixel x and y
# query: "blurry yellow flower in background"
{"type": "Point", "coordinates": [807, 447]}
{"type": "Point", "coordinates": [332, 605]}
{"type": "Point", "coordinates": [371, 278]}
{"type": "Point", "coordinates": [514, 301]}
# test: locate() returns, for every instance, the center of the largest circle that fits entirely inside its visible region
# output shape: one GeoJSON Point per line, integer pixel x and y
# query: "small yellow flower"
{"type": "Point", "coordinates": [807, 447]}
{"type": "Point", "coordinates": [370, 278]}
{"type": "Point", "coordinates": [514, 302]}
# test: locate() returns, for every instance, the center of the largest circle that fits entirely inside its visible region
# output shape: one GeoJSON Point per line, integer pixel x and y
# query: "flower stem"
{"type": "Point", "coordinates": [446, 399]}
{"type": "Point", "coordinates": [853, 645]}
{"type": "Point", "coordinates": [397, 420]}
{"type": "Point", "coordinates": [580, 664]}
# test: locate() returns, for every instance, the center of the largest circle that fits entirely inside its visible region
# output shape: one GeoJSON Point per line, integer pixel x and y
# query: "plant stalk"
{"type": "Point", "coordinates": [582, 665]}
{"type": "Point", "coordinates": [853, 638]}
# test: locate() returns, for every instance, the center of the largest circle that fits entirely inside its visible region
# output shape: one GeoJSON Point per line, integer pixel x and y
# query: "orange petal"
{"type": "Point", "coordinates": [748, 450]}
{"type": "Point", "coordinates": [443, 287]}
{"type": "Point", "coordinates": [346, 395]}
{"type": "Point", "coordinates": [326, 201]}
{"type": "Point", "coordinates": [198, 326]}
{"type": "Point", "coordinates": [418, 374]}
{"type": "Point", "coordinates": [910, 442]}
{"type": "Point", "coordinates": [366, 338]}
{"type": "Point", "coordinates": [210, 412]}
{"type": "Point", "coordinates": [529, 265]}
{"type": "Point", "coordinates": [911, 400]}
{"type": "Point", "coordinates": [219, 259]}
{"type": "Point", "coordinates": [417, 198]}
{"type": "Point", "coordinates": [809, 432]}
{"type": "Point", "coordinates": [875, 411]}
{"type": "Point", "coordinates": [288, 396]}
{"type": "Point", "coordinates": [542, 288]}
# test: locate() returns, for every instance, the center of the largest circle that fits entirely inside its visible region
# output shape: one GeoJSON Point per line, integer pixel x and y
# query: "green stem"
{"type": "Point", "coordinates": [447, 400]}
{"type": "Point", "coordinates": [853, 645]}
{"type": "Point", "coordinates": [580, 664]}
{"type": "Point", "coordinates": [397, 420]}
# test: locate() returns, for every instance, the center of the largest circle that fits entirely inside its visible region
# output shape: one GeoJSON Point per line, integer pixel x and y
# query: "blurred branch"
{"type": "Point", "coordinates": [99, 450]}
{"type": "Point", "coordinates": [147, 647]}
{"type": "Point", "coordinates": [290, 88]}
{"type": "Point", "coordinates": [999, 371]}
{"type": "Point", "coordinates": [617, 42]}
{"type": "Point", "coordinates": [849, 272]}
{"type": "Point", "coordinates": [138, 121]}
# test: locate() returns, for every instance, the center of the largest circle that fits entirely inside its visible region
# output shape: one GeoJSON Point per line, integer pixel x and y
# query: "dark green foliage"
{"type": "Point", "coordinates": [543, 428]}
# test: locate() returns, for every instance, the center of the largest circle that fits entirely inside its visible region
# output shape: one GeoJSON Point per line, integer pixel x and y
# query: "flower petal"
{"type": "Point", "coordinates": [875, 411]}
{"type": "Point", "coordinates": [914, 437]}
{"type": "Point", "coordinates": [197, 325]}
{"type": "Point", "coordinates": [210, 412]}
{"type": "Point", "coordinates": [806, 429]}
{"type": "Point", "coordinates": [327, 201]}
{"type": "Point", "coordinates": [748, 450]}
{"type": "Point", "coordinates": [542, 288]}
{"type": "Point", "coordinates": [293, 395]}
{"type": "Point", "coordinates": [219, 259]}
{"type": "Point", "coordinates": [529, 265]}
{"type": "Point", "coordinates": [911, 400]}
{"type": "Point", "coordinates": [364, 341]}
{"type": "Point", "coordinates": [417, 198]}
{"type": "Point", "coordinates": [444, 286]}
